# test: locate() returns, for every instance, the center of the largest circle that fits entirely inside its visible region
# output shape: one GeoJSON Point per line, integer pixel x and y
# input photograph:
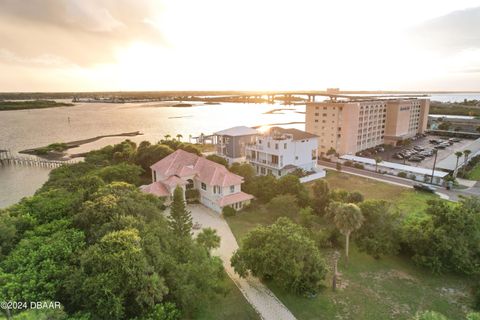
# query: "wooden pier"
{"type": "Point", "coordinates": [7, 158]}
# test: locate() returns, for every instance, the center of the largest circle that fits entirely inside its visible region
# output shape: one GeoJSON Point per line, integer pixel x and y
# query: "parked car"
{"type": "Point", "coordinates": [455, 139]}
{"type": "Point", "coordinates": [440, 146]}
{"type": "Point", "coordinates": [434, 141]}
{"type": "Point", "coordinates": [419, 148]}
{"type": "Point", "coordinates": [398, 156]}
{"type": "Point", "coordinates": [423, 187]}
{"type": "Point", "coordinates": [415, 158]}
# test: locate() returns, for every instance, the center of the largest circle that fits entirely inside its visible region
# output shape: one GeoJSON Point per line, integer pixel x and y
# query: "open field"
{"type": "Point", "coordinates": [389, 288]}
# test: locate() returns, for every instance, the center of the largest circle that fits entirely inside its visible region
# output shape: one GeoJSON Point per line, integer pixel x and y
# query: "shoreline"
{"type": "Point", "coordinates": [56, 155]}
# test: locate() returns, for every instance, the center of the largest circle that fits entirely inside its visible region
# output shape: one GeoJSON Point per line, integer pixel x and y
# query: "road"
{"type": "Point", "coordinates": [452, 195]}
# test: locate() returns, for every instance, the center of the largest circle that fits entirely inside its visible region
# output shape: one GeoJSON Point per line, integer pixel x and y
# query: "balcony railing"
{"type": "Point", "coordinates": [264, 162]}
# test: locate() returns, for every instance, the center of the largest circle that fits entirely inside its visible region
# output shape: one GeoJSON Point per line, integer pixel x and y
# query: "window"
{"type": "Point", "coordinates": [268, 144]}
{"type": "Point", "coordinates": [232, 189]}
{"type": "Point", "coordinates": [204, 186]}
{"type": "Point", "coordinates": [296, 157]}
{"type": "Point", "coordinates": [284, 146]}
{"type": "Point", "coordinates": [276, 146]}
{"type": "Point", "coordinates": [154, 176]}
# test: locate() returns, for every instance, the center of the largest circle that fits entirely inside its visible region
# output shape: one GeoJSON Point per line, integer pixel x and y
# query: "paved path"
{"type": "Point", "coordinates": [257, 294]}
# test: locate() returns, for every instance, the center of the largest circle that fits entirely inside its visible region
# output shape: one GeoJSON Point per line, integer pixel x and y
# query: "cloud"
{"type": "Point", "coordinates": [454, 32]}
{"type": "Point", "coordinates": [84, 32]}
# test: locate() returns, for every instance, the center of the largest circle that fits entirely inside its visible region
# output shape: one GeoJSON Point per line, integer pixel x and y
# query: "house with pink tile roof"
{"type": "Point", "coordinates": [217, 186]}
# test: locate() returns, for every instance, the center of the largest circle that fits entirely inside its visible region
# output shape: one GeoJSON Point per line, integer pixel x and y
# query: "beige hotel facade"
{"type": "Point", "coordinates": [352, 126]}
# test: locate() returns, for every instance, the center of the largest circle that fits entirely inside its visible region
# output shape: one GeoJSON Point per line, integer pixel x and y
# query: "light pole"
{"type": "Point", "coordinates": [434, 163]}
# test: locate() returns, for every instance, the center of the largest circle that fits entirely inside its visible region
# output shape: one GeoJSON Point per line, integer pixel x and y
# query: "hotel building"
{"type": "Point", "coordinates": [355, 125]}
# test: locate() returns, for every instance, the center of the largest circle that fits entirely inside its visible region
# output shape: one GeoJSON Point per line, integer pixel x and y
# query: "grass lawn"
{"type": "Point", "coordinates": [474, 174]}
{"type": "Point", "coordinates": [388, 288]}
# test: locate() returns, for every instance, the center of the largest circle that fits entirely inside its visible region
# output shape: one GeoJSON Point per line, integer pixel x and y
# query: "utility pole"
{"type": "Point", "coordinates": [434, 163]}
{"type": "Point", "coordinates": [336, 256]}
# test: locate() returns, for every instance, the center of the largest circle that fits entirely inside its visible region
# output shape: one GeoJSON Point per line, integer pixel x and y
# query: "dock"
{"type": "Point", "coordinates": [8, 158]}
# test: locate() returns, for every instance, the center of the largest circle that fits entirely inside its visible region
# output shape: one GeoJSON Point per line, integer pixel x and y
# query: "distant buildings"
{"type": "Point", "coordinates": [217, 186]}
{"type": "Point", "coordinates": [352, 126]}
{"type": "Point", "coordinates": [280, 151]}
{"type": "Point", "coordinates": [230, 143]}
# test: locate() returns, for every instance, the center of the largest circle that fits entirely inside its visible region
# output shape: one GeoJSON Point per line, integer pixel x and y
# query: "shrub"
{"type": "Point", "coordinates": [228, 211]}
{"type": "Point", "coordinates": [402, 174]}
{"type": "Point", "coordinates": [348, 163]}
{"type": "Point", "coordinates": [413, 177]}
{"type": "Point", "coordinates": [359, 166]}
{"type": "Point", "coordinates": [338, 165]}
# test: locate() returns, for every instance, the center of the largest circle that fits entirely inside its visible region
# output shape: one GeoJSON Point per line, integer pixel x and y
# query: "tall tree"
{"type": "Point", "coordinates": [209, 239]}
{"type": "Point", "coordinates": [458, 154]}
{"type": "Point", "coordinates": [180, 219]}
{"type": "Point", "coordinates": [179, 137]}
{"type": "Point", "coordinates": [466, 153]}
{"type": "Point", "coordinates": [347, 218]}
{"type": "Point", "coordinates": [380, 233]}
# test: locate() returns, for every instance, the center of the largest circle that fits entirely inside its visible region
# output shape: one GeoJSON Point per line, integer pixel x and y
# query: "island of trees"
{"type": "Point", "coordinates": [31, 104]}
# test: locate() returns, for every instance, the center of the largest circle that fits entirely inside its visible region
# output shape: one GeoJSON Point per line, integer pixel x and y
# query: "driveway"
{"type": "Point", "coordinates": [257, 294]}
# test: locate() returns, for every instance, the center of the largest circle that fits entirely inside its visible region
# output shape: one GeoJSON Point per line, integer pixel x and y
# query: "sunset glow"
{"type": "Point", "coordinates": [220, 45]}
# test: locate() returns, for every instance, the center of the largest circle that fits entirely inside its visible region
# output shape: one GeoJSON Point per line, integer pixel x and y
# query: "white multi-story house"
{"type": "Point", "coordinates": [217, 186]}
{"type": "Point", "coordinates": [280, 151]}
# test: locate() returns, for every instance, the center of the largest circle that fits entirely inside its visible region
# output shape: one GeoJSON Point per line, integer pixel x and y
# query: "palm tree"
{"type": "Point", "coordinates": [458, 154]}
{"type": "Point", "coordinates": [179, 137]}
{"type": "Point", "coordinates": [466, 153]}
{"type": "Point", "coordinates": [208, 239]}
{"type": "Point", "coordinates": [167, 136]}
{"type": "Point", "coordinates": [377, 161]}
{"type": "Point", "coordinates": [347, 218]}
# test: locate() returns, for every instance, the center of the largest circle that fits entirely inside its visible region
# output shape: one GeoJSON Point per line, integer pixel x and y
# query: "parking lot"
{"type": "Point", "coordinates": [424, 142]}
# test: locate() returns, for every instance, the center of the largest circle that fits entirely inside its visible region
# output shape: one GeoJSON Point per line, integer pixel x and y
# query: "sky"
{"type": "Point", "coordinates": [130, 45]}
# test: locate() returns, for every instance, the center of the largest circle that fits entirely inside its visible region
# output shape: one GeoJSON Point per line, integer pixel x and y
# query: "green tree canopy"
{"type": "Point", "coordinates": [380, 232]}
{"type": "Point", "coordinates": [284, 253]}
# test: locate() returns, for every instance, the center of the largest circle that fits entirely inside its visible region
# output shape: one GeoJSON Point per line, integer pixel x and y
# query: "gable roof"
{"type": "Point", "coordinates": [297, 134]}
{"type": "Point", "coordinates": [237, 131]}
{"type": "Point", "coordinates": [181, 164]}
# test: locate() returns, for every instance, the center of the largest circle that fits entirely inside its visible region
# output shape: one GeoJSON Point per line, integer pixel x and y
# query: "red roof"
{"type": "Point", "coordinates": [181, 164]}
{"type": "Point", "coordinates": [233, 198]}
{"type": "Point", "coordinates": [155, 188]}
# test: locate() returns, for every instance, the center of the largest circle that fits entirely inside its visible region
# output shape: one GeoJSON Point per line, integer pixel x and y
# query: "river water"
{"type": "Point", "coordinates": [25, 129]}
